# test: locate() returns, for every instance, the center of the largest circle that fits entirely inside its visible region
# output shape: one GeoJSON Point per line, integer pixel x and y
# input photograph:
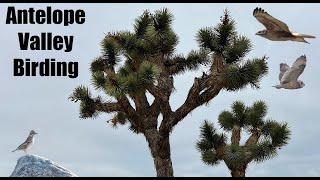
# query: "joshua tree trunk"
{"type": "Point", "coordinates": [236, 135]}
{"type": "Point", "coordinates": [238, 173]}
{"type": "Point", "coordinates": [160, 151]}
{"type": "Point", "coordinates": [163, 163]}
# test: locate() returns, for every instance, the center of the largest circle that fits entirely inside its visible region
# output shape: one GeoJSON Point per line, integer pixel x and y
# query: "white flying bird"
{"type": "Point", "coordinates": [289, 76]}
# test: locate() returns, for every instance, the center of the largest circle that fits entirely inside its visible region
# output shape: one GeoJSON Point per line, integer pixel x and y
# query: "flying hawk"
{"type": "Point", "coordinates": [276, 30]}
{"type": "Point", "coordinates": [289, 76]}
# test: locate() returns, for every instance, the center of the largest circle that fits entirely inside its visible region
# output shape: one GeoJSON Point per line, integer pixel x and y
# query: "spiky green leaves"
{"type": "Point", "coordinates": [98, 64]}
{"type": "Point", "coordinates": [276, 135]}
{"type": "Point", "coordinates": [162, 19]}
{"type": "Point", "coordinates": [179, 64]}
{"type": "Point", "coordinates": [110, 50]}
{"type": "Point", "coordinates": [207, 131]}
{"type": "Point", "coordinates": [206, 38]}
{"type": "Point", "coordinates": [98, 80]}
{"type": "Point", "coordinates": [81, 93]}
{"type": "Point", "coordinates": [226, 120]}
{"type": "Point", "coordinates": [153, 36]}
{"type": "Point", "coordinates": [218, 39]}
{"type": "Point", "coordinates": [225, 31]}
{"type": "Point", "coordinates": [237, 116]}
{"type": "Point", "coordinates": [141, 24]}
{"type": "Point", "coordinates": [234, 156]}
{"type": "Point", "coordinates": [209, 143]}
{"type": "Point", "coordinates": [137, 82]}
{"type": "Point", "coordinates": [239, 47]}
{"type": "Point", "coordinates": [209, 139]}
{"type": "Point", "coordinates": [148, 72]}
{"type": "Point", "coordinates": [256, 114]}
{"type": "Point", "coordinates": [237, 77]}
{"type": "Point", "coordinates": [131, 45]}
{"type": "Point", "coordinates": [154, 33]}
{"type": "Point", "coordinates": [231, 48]}
{"type": "Point", "coordinates": [203, 146]}
{"type": "Point", "coordinates": [266, 136]}
{"type": "Point", "coordinates": [248, 117]}
{"type": "Point", "coordinates": [210, 158]}
{"type": "Point", "coordinates": [262, 151]}
{"type": "Point", "coordinates": [238, 110]}
{"type": "Point", "coordinates": [280, 135]}
{"type": "Point", "coordinates": [159, 34]}
{"type": "Point", "coordinates": [119, 118]}
{"type": "Point", "coordinates": [87, 102]}
{"type": "Point", "coordinates": [114, 86]}
{"type": "Point", "coordinates": [126, 81]}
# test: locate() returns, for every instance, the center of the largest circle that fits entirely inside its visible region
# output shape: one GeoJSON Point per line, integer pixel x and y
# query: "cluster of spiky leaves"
{"type": "Point", "coordinates": [87, 102]}
{"type": "Point", "coordinates": [273, 135]}
{"type": "Point", "coordinates": [210, 142]}
{"type": "Point", "coordinates": [118, 118]}
{"type": "Point", "coordinates": [232, 47]}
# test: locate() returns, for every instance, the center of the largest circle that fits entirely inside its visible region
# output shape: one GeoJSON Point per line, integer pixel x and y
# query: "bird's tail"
{"type": "Point", "coordinates": [303, 35]}
{"type": "Point", "coordinates": [277, 86]}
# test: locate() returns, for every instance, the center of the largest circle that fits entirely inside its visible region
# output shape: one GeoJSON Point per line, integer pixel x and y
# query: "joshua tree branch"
{"type": "Point", "coordinates": [133, 116]}
{"type": "Point", "coordinates": [108, 107]}
{"type": "Point", "coordinates": [253, 139]}
{"type": "Point", "coordinates": [196, 98]}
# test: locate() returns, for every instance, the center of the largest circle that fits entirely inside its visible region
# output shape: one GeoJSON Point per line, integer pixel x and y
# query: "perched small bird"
{"type": "Point", "coordinates": [27, 144]}
{"type": "Point", "coordinates": [289, 76]}
{"type": "Point", "coordinates": [276, 29]}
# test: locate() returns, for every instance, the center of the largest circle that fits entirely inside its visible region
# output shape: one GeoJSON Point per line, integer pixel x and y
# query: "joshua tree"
{"type": "Point", "coordinates": [265, 138]}
{"type": "Point", "coordinates": [149, 66]}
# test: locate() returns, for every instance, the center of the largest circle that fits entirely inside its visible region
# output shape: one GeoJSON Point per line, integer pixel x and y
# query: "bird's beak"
{"type": "Point", "coordinates": [258, 33]}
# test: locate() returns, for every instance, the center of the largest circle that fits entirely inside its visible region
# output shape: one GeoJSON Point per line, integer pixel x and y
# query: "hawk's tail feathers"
{"type": "Point", "coordinates": [303, 35]}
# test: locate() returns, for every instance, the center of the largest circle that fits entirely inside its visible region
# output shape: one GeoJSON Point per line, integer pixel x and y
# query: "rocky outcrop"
{"type": "Point", "coordinates": [36, 166]}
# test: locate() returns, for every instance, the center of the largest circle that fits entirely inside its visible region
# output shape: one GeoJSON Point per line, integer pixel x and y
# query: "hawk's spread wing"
{"type": "Point", "coordinates": [268, 21]}
{"type": "Point", "coordinates": [283, 68]}
{"type": "Point", "coordinates": [295, 71]}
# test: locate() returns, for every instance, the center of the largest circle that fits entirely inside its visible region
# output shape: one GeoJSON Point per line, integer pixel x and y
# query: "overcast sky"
{"type": "Point", "coordinates": [93, 148]}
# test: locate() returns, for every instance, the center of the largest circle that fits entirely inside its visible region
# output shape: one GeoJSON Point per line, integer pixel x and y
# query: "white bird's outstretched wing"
{"type": "Point", "coordinates": [269, 22]}
{"type": "Point", "coordinates": [295, 71]}
{"type": "Point", "coordinates": [283, 68]}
